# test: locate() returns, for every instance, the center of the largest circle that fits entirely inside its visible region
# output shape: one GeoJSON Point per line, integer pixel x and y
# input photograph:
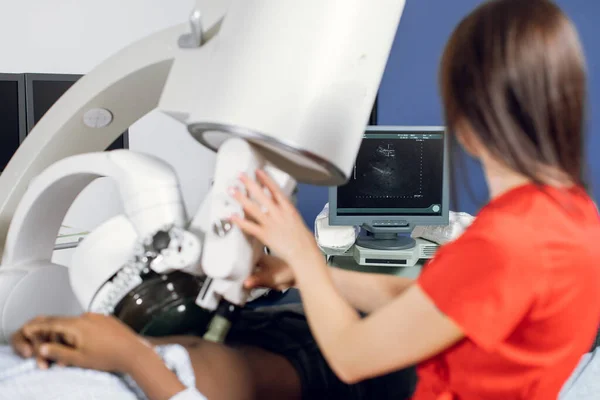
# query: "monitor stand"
{"type": "Point", "coordinates": [385, 241]}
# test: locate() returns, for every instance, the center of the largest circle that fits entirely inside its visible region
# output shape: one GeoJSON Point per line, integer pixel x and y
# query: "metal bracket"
{"type": "Point", "coordinates": [194, 39]}
{"type": "Point", "coordinates": [222, 227]}
{"type": "Point", "coordinates": [70, 245]}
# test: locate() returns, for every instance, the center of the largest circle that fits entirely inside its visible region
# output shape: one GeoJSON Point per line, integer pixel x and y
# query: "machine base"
{"type": "Point", "coordinates": [422, 250]}
{"type": "Point", "coordinates": [397, 243]}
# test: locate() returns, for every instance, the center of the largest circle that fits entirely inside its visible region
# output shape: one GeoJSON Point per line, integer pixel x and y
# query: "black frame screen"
{"type": "Point", "coordinates": [12, 116]}
{"type": "Point", "coordinates": [396, 174]}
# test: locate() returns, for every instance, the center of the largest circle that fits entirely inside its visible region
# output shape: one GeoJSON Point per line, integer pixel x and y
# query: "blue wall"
{"type": "Point", "coordinates": [409, 92]}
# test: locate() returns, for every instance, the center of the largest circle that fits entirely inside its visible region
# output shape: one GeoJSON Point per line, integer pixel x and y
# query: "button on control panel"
{"type": "Point", "coordinates": [391, 224]}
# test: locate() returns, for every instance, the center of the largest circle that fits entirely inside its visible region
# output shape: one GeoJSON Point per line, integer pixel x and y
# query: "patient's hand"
{"type": "Point", "coordinates": [91, 341]}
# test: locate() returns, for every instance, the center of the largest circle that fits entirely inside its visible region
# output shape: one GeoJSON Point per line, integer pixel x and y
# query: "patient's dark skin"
{"type": "Point", "coordinates": [103, 343]}
{"type": "Point", "coordinates": [238, 373]}
{"type": "Point", "coordinates": [242, 373]}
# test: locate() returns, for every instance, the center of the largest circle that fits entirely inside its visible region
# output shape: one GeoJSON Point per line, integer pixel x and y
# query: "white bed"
{"type": "Point", "coordinates": [21, 379]}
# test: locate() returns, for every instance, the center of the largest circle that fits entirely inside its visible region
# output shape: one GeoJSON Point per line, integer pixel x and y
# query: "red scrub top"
{"type": "Point", "coordinates": [523, 283]}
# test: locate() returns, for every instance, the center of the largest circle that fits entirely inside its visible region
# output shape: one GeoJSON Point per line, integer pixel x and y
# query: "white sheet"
{"type": "Point", "coordinates": [584, 383]}
{"type": "Point", "coordinates": [21, 379]}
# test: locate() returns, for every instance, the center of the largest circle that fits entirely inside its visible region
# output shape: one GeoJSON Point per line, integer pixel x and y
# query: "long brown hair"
{"type": "Point", "coordinates": [514, 72]}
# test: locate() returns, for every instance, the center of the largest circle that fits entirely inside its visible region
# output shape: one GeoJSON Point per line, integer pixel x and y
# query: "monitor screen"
{"type": "Point", "coordinates": [396, 173]}
{"type": "Point", "coordinates": [11, 117]}
{"type": "Point", "coordinates": [45, 90]}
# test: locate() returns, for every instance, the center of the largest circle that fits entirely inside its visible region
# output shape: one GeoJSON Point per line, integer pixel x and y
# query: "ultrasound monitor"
{"type": "Point", "coordinates": [400, 180]}
{"type": "Point", "coordinates": [43, 90]}
{"type": "Point", "coordinates": [12, 116]}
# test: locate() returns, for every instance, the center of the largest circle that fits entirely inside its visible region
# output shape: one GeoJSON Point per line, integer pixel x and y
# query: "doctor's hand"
{"type": "Point", "coordinates": [271, 272]}
{"type": "Point", "coordinates": [271, 218]}
{"type": "Point", "coordinates": [91, 341]}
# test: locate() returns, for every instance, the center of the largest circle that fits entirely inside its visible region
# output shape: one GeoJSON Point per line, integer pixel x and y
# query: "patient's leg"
{"type": "Point", "coordinates": [242, 373]}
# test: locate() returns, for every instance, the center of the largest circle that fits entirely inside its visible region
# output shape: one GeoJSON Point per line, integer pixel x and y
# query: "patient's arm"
{"type": "Point", "coordinates": [98, 342]}
{"type": "Point", "coordinates": [224, 372]}
{"type": "Point", "coordinates": [95, 341]}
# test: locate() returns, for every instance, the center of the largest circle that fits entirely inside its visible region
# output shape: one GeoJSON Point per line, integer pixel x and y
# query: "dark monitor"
{"type": "Point", "coordinates": [12, 116]}
{"type": "Point", "coordinates": [400, 180]}
{"type": "Point", "coordinates": [43, 90]}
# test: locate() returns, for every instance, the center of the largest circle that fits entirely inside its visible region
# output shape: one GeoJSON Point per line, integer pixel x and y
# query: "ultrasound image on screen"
{"type": "Point", "coordinates": [47, 92]}
{"type": "Point", "coordinates": [396, 175]}
{"type": "Point", "coordinates": [9, 121]}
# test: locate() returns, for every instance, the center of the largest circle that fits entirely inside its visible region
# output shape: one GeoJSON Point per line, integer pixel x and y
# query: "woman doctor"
{"type": "Point", "coordinates": [505, 311]}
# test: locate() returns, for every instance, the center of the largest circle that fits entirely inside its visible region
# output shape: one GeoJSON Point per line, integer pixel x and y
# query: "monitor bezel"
{"type": "Point", "coordinates": [21, 93]}
{"type": "Point", "coordinates": [30, 78]}
{"type": "Point", "coordinates": [366, 220]}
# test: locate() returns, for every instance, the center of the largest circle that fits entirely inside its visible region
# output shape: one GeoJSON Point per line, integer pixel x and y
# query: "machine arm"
{"type": "Point", "coordinates": [149, 189]}
{"type": "Point", "coordinates": [299, 85]}
{"type": "Point", "coordinates": [124, 88]}
{"type": "Point", "coordinates": [103, 104]}
{"type": "Point", "coordinates": [30, 284]}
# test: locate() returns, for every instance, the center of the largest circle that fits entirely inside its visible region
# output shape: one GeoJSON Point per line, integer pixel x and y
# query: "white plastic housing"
{"type": "Point", "coordinates": [148, 186]}
{"type": "Point", "coordinates": [33, 289]}
{"type": "Point", "coordinates": [149, 189]}
{"type": "Point", "coordinates": [286, 183]}
{"type": "Point", "coordinates": [223, 254]}
{"type": "Point", "coordinates": [298, 78]}
{"type": "Point", "coordinates": [100, 255]}
{"type": "Point", "coordinates": [229, 256]}
{"type": "Point", "coordinates": [30, 284]}
{"type": "Point", "coordinates": [129, 85]}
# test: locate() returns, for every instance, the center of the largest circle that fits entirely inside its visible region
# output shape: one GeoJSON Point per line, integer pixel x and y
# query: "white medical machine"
{"type": "Point", "coordinates": [283, 85]}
